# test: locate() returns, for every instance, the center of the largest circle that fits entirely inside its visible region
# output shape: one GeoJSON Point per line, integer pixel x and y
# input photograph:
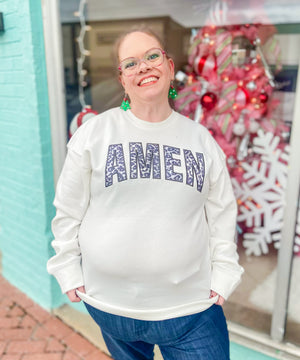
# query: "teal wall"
{"type": "Point", "coordinates": [26, 173]}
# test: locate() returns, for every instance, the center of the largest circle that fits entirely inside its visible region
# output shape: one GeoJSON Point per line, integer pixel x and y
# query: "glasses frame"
{"type": "Point", "coordinates": [139, 62]}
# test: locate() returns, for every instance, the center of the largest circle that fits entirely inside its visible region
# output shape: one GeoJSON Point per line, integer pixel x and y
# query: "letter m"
{"type": "Point", "coordinates": [144, 164]}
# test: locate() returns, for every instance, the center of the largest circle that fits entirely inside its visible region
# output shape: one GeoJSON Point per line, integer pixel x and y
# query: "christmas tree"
{"type": "Point", "coordinates": [227, 86]}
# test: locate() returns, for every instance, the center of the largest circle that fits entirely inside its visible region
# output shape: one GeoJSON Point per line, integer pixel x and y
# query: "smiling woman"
{"type": "Point", "coordinates": [146, 74]}
{"type": "Point", "coordinates": [153, 257]}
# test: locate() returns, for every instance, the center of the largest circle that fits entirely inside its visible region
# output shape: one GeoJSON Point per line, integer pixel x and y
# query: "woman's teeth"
{"type": "Point", "coordinates": [147, 80]}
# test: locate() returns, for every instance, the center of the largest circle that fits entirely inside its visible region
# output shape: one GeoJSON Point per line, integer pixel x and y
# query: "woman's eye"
{"type": "Point", "coordinates": [152, 56]}
{"type": "Point", "coordinates": [130, 64]}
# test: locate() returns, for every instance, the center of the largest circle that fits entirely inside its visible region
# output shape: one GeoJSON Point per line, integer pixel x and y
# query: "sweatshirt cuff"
{"type": "Point", "coordinates": [224, 284]}
{"type": "Point", "coordinates": [69, 276]}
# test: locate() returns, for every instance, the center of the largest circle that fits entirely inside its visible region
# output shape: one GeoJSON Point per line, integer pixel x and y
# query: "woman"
{"type": "Point", "coordinates": [146, 216]}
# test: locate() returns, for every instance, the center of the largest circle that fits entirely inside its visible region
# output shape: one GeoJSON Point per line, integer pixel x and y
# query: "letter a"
{"type": "Point", "coordinates": [115, 164]}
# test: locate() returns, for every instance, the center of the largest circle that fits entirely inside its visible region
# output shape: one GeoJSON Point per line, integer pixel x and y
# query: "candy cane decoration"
{"type": "Point", "coordinates": [223, 50]}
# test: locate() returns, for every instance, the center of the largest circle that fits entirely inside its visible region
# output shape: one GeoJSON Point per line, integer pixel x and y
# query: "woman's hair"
{"type": "Point", "coordinates": [137, 28]}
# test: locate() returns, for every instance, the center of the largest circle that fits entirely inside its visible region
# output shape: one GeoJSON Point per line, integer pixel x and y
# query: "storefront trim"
{"type": "Point", "coordinates": [262, 343]}
{"type": "Point", "coordinates": [285, 255]}
{"type": "Point", "coordinates": [56, 85]}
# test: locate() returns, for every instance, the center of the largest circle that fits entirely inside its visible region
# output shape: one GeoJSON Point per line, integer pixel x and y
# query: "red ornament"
{"type": "Point", "coordinates": [209, 101]}
{"type": "Point", "coordinates": [81, 118]}
{"type": "Point", "coordinates": [263, 97]}
{"type": "Point", "coordinates": [241, 96]}
{"type": "Point", "coordinates": [205, 65]}
{"type": "Point", "coordinates": [201, 63]}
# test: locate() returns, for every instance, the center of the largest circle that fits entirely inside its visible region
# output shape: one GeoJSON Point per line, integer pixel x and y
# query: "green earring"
{"type": "Point", "coordinates": [172, 92]}
{"type": "Point", "coordinates": [125, 103]}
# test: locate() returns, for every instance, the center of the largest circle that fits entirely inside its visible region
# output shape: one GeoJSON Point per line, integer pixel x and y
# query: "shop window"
{"type": "Point", "coordinates": [260, 121]}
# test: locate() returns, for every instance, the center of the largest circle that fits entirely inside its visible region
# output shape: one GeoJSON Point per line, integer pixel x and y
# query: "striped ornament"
{"type": "Point", "coordinates": [223, 51]}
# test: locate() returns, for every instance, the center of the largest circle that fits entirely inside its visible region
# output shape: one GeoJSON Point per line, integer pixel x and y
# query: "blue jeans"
{"type": "Point", "coordinates": [202, 336]}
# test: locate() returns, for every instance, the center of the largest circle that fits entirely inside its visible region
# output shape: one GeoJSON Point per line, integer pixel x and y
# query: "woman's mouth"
{"type": "Point", "coordinates": [148, 80]}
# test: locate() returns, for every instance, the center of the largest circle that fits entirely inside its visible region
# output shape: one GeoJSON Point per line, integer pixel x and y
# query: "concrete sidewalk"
{"type": "Point", "coordinates": [28, 332]}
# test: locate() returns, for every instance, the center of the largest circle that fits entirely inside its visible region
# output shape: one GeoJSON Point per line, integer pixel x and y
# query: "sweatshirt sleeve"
{"type": "Point", "coordinates": [221, 212]}
{"type": "Point", "coordinates": [71, 202]}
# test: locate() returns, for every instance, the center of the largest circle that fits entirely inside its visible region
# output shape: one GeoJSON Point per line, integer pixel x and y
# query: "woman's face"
{"type": "Point", "coordinates": [147, 84]}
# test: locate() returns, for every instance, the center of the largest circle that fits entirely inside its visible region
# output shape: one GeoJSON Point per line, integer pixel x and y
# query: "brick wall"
{"type": "Point", "coordinates": [26, 173]}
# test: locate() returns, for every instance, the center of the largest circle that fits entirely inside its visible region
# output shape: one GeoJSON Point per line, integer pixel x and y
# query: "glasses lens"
{"type": "Point", "coordinates": [154, 57]}
{"type": "Point", "coordinates": [129, 65]}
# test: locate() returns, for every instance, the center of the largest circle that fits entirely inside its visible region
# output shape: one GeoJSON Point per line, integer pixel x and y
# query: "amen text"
{"type": "Point", "coordinates": [148, 164]}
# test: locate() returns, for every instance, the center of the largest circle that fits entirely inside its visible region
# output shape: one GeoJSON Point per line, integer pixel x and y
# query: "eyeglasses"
{"type": "Point", "coordinates": [153, 58]}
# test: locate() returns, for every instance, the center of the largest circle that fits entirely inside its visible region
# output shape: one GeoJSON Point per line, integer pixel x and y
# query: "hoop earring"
{"type": "Point", "coordinates": [125, 103]}
{"type": "Point", "coordinates": [172, 92]}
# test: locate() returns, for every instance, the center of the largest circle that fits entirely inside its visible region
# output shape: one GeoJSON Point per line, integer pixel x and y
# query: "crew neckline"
{"type": "Point", "coordinates": [147, 124]}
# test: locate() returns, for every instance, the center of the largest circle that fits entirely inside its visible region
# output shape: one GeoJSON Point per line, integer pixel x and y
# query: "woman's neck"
{"type": "Point", "coordinates": [151, 112]}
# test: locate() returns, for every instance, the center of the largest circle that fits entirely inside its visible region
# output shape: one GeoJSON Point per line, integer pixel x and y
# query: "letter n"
{"type": "Point", "coordinates": [170, 162]}
{"type": "Point", "coordinates": [194, 169]}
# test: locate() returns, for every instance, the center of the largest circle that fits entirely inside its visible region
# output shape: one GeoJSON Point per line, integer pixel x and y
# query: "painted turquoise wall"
{"type": "Point", "coordinates": [26, 173]}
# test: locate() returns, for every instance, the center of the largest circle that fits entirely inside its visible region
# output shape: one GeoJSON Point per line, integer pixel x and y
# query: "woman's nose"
{"type": "Point", "coordinates": [143, 66]}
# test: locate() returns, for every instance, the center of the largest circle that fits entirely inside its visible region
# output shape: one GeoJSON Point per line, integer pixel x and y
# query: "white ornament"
{"type": "Point", "coordinates": [262, 195]}
{"type": "Point", "coordinates": [181, 76]}
{"type": "Point", "coordinates": [253, 126]}
{"type": "Point", "coordinates": [239, 128]}
{"type": "Point", "coordinates": [243, 148]}
{"type": "Point", "coordinates": [251, 86]}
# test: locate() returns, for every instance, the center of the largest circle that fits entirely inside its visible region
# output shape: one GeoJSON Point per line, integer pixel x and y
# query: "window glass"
{"type": "Point", "coordinates": [293, 318]}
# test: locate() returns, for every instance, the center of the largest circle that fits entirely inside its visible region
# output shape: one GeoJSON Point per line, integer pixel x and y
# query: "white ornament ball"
{"type": "Point", "coordinates": [80, 118]}
{"type": "Point", "coordinates": [251, 86]}
{"type": "Point", "coordinates": [253, 126]}
{"type": "Point", "coordinates": [239, 129]}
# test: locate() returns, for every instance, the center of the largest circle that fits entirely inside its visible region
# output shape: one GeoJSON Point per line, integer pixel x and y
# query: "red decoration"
{"type": "Point", "coordinates": [205, 65]}
{"type": "Point", "coordinates": [226, 70]}
{"type": "Point", "coordinates": [201, 64]}
{"type": "Point", "coordinates": [80, 118]}
{"type": "Point", "coordinates": [209, 100]}
{"type": "Point", "coordinates": [263, 97]}
{"type": "Point", "coordinates": [241, 96]}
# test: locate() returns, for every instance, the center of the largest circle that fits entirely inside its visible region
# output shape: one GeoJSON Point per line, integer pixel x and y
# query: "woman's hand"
{"type": "Point", "coordinates": [73, 297]}
{"type": "Point", "coordinates": [220, 301]}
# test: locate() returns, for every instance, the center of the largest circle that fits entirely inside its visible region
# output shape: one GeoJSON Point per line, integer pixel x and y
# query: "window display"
{"type": "Point", "coordinates": [239, 81]}
{"type": "Point", "coordinates": [228, 86]}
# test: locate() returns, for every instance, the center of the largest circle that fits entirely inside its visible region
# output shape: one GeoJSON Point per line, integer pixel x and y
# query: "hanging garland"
{"type": "Point", "coordinates": [86, 112]}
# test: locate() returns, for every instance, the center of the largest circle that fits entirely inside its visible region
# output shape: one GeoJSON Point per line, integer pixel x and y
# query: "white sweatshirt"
{"type": "Point", "coordinates": [146, 217]}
